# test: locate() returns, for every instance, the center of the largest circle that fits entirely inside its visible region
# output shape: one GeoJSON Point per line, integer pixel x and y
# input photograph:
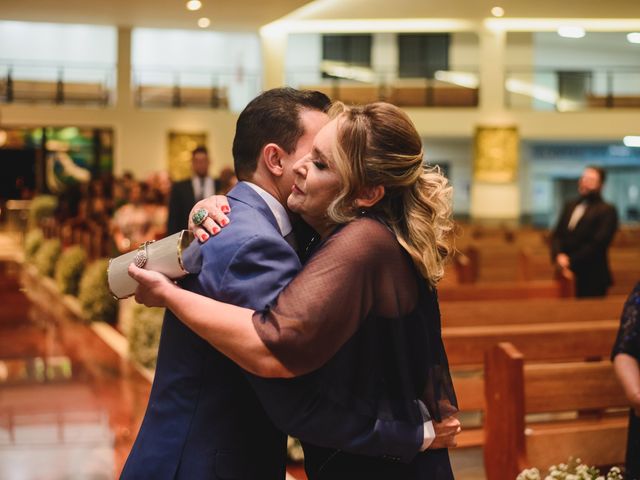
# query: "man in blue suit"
{"type": "Point", "coordinates": [204, 419]}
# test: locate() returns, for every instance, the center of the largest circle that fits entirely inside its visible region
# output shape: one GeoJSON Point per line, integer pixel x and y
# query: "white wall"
{"type": "Point", "coordinates": [36, 50]}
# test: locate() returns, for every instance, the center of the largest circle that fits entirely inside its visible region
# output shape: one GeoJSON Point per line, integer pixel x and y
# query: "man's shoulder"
{"type": "Point", "coordinates": [247, 223]}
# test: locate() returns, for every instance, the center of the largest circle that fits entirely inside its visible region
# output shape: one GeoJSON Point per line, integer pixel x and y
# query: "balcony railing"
{"type": "Point", "coordinates": [358, 85]}
{"type": "Point", "coordinates": [161, 88]}
{"type": "Point", "coordinates": [573, 90]}
{"type": "Point", "coordinates": [58, 84]}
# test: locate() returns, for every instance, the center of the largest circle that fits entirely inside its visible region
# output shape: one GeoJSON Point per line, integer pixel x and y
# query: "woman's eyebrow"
{"type": "Point", "coordinates": [320, 155]}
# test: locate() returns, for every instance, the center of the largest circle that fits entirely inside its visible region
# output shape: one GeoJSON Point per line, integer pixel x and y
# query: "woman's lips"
{"type": "Point", "coordinates": [296, 189]}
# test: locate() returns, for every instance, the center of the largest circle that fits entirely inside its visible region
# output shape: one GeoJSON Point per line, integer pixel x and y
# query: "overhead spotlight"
{"type": "Point", "coordinates": [633, 37]}
{"type": "Point", "coordinates": [631, 141]}
{"type": "Point", "coordinates": [497, 12]}
{"type": "Point", "coordinates": [194, 5]}
{"type": "Point", "coordinates": [571, 31]}
{"type": "Point", "coordinates": [204, 22]}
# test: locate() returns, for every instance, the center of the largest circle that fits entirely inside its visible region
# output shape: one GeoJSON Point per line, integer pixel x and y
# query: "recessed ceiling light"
{"type": "Point", "coordinates": [631, 141]}
{"type": "Point", "coordinates": [571, 31]}
{"type": "Point", "coordinates": [194, 5]}
{"type": "Point", "coordinates": [497, 11]}
{"type": "Point", "coordinates": [204, 22]}
{"type": "Point", "coordinates": [633, 37]}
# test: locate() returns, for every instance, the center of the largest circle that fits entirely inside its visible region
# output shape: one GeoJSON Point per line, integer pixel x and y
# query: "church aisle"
{"type": "Point", "coordinates": [69, 406]}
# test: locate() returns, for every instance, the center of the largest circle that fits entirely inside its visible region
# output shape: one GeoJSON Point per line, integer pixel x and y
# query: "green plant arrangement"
{"type": "Point", "coordinates": [69, 269]}
{"type": "Point", "coordinates": [144, 334]}
{"type": "Point", "coordinates": [95, 298]}
{"type": "Point", "coordinates": [46, 257]}
{"type": "Point", "coordinates": [32, 242]}
{"type": "Point", "coordinates": [42, 206]}
{"type": "Point", "coordinates": [574, 469]}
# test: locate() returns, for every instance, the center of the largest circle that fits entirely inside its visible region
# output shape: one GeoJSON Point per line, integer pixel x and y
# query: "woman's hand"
{"type": "Point", "coordinates": [153, 288]}
{"type": "Point", "coordinates": [216, 206]}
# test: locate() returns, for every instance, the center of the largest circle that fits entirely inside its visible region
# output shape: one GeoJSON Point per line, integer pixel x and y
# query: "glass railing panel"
{"type": "Point", "coordinates": [360, 85]}
{"type": "Point", "coordinates": [572, 90]}
{"type": "Point", "coordinates": [157, 88]}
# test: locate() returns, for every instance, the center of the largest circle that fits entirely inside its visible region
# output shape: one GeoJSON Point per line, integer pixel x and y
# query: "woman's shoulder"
{"type": "Point", "coordinates": [365, 237]}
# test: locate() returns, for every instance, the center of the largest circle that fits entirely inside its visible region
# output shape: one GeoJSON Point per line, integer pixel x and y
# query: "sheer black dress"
{"type": "Point", "coordinates": [628, 341]}
{"type": "Point", "coordinates": [363, 327]}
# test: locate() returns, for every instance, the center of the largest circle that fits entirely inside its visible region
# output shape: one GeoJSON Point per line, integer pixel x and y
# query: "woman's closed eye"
{"type": "Point", "coordinates": [320, 165]}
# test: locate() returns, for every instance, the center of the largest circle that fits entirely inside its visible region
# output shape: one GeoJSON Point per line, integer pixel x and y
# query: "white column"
{"type": "Point", "coordinates": [274, 49]}
{"type": "Point", "coordinates": [492, 65]}
{"type": "Point", "coordinates": [124, 97]}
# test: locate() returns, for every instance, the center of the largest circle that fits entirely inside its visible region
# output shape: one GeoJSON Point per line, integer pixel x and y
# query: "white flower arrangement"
{"type": "Point", "coordinates": [573, 470]}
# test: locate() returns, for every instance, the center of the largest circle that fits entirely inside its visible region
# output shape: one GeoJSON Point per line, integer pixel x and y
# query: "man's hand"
{"type": "Point", "coordinates": [446, 432]}
{"type": "Point", "coordinates": [153, 286]}
{"type": "Point", "coordinates": [216, 206]}
{"type": "Point", "coordinates": [562, 259]}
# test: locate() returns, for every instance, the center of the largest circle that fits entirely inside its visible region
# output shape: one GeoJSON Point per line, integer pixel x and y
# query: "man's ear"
{"type": "Point", "coordinates": [369, 196]}
{"type": "Point", "coordinates": [273, 156]}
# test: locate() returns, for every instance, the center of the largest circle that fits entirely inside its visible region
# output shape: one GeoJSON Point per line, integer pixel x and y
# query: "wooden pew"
{"type": "Point", "coordinates": [466, 346]}
{"type": "Point", "coordinates": [528, 311]}
{"type": "Point", "coordinates": [562, 288]}
{"type": "Point", "coordinates": [587, 336]}
{"type": "Point", "coordinates": [515, 389]}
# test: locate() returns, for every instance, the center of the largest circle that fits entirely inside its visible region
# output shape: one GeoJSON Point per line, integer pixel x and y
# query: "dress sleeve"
{"type": "Point", "coordinates": [357, 271]}
{"type": "Point", "coordinates": [628, 339]}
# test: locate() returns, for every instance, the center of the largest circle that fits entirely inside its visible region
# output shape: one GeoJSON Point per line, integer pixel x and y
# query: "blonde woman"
{"type": "Point", "coordinates": [360, 324]}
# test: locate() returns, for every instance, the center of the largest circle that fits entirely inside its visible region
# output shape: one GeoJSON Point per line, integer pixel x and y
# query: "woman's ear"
{"type": "Point", "coordinates": [369, 196]}
{"type": "Point", "coordinates": [273, 156]}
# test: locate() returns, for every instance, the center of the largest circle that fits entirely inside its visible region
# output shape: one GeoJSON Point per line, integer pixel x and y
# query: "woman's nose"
{"type": "Point", "coordinates": [299, 166]}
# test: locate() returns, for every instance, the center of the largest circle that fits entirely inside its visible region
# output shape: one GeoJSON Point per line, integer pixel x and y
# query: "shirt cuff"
{"type": "Point", "coordinates": [429, 435]}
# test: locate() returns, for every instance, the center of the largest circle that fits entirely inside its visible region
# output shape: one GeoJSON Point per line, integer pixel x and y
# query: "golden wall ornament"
{"type": "Point", "coordinates": [181, 145]}
{"type": "Point", "coordinates": [496, 154]}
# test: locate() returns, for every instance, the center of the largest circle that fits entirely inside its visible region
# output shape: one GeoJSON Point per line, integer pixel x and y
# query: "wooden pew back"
{"type": "Point", "coordinates": [513, 389]}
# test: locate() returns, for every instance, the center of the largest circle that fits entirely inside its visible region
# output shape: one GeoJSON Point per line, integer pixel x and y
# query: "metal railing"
{"type": "Point", "coordinates": [35, 82]}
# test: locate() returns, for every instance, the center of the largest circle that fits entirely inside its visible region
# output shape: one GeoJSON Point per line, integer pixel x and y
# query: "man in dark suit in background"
{"type": "Point", "coordinates": [186, 193]}
{"type": "Point", "coordinates": [582, 236]}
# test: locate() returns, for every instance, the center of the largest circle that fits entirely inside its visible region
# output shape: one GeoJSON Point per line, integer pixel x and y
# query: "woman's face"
{"type": "Point", "coordinates": [316, 181]}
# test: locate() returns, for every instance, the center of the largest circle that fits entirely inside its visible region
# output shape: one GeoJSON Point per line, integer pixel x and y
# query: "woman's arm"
{"type": "Point", "coordinates": [227, 327]}
{"type": "Point", "coordinates": [628, 373]}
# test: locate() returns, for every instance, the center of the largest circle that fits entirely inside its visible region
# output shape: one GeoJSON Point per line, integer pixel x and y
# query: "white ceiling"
{"type": "Point", "coordinates": [250, 14]}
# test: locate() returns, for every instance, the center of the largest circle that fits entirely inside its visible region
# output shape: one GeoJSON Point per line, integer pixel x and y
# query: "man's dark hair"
{"type": "Point", "coordinates": [199, 149]}
{"type": "Point", "coordinates": [272, 117]}
{"type": "Point", "coordinates": [602, 173]}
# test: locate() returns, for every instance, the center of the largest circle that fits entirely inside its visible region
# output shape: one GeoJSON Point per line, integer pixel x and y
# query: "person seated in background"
{"type": "Point", "coordinates": [626, 362]}
{"type": "Point", "coordinates": [132, 224]}
{"type": "Point", "coordinates": [226, 181]}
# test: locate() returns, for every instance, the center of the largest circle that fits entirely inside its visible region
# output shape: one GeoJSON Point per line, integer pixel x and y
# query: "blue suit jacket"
{"type": "Point", "coordinates": [205, 418]}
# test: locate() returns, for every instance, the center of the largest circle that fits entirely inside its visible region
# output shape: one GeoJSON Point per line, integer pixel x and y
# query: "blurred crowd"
{"type": "Point", "coordinates": [123, 212]}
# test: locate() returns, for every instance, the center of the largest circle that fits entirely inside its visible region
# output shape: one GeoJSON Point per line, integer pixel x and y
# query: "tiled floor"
{"type": "Point", "coordinates": [69, 406]}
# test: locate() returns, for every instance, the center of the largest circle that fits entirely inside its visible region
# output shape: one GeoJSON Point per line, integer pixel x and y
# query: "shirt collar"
{"type": "Point", "coordinates": [276, 208]}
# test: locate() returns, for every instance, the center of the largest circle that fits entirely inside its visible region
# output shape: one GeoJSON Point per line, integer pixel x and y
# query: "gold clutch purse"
{"type": "Point", "coordinates": [174, 256]}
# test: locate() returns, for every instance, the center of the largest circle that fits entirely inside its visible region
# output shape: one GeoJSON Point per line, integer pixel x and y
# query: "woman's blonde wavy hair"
{"type": "Point", "coordinates": [379, 145]}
